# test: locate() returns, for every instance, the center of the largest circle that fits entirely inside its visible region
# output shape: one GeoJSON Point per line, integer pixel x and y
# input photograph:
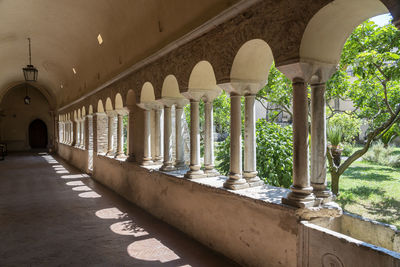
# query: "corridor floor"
{"type": "Point", "coordinates": [53, 215]}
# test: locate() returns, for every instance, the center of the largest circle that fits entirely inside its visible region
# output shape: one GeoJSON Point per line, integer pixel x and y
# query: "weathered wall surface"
{"type": "Point", "coordinates": [251, 232]}
{"type": "Point", "coordinates": [76, 156]}
{"type": "Point", "coordinates": [323, 247]}
{"type": "Point", "coordinates": [17, 116]}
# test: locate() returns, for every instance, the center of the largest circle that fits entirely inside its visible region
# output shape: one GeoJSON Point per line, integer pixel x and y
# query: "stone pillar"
{"type": "Point", "coordinates": [318, 142]}
{"type": "Point", "coordinates": [74, 133]}
{"type": "Point", "coordinates": [209, 168]}
{"type": "Point", "coordinates": [82, 142]}
{"type": "Point", "coordinates": [180, 148]}
{"type": "Point", "coordinates": [88, 121]}
{"type": "Point", "coordinates": [195, 171]}
{"type": "Point", "coordinates": [250, 157]}
{"type": "Point", "coordinates": [147, 160]}
{"type": "Point", "coordinates": [235, 180]}
{"type": "Point", "coordinates": [110, 144]}
{"type": "Point", "coordinates": [131, 155]}
{"type": "Point", "coordinates": [78, 133]}
{"type": "Point", "coordinates": [158, 138]}
{"type": "Point", "coordinates": [120, 137]}
{"type": "Point", "coordinates": [95, 134]}
{"type": "Point", "coordinates": [301, 191]}
{"type": "Point", "coordinates": [168, 163]}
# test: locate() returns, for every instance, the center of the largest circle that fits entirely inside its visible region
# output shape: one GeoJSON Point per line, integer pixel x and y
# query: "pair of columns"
{"type": "Point", "coordinates": [80, 133]}
{"type": "Point", "coordinates": [239, 179]}
{"type": "Point", "coordinates": [307, 189]}
{"type": "Point", "coordinates": [119, 152]}
{"type": "Point", "coordinates": [195, 165]}
{"type": "Point", "coordinates": [164, 148]}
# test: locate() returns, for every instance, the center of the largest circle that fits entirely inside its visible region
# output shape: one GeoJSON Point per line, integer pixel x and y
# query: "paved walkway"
{"type": "Point", "coordinates": [52, 215]}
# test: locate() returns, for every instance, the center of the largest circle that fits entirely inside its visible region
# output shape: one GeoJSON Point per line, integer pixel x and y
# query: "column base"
{"type": "Point", "coordinates": [110, 154]}
{"type": "Point", "coordinates": [167, 167]}
{"type": "Point", "coordinates": [158, 160]}
{"type": "Point", "coordinates": [252, 179]}
{"type": "Point", "coordinates": [180, 165]}
{"type": "Point", "coordinates": [322, 193]}
{"type": "Point", "coordinates": [120, 156]}
{"type": "Point", "coordinates": [300, 197]}
{"type": "Point", "coordinates": [147, 162]}
{"type": "Point", "coordinates": [211, 172]}
{"type": "Point", "coordinates": [195, 174]}
{"type": "Point", "coordinates": [235, 182]}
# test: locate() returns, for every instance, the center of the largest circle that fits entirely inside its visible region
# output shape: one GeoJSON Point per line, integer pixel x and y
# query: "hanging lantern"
{"type": "Point", "coordinates": [30, 72]}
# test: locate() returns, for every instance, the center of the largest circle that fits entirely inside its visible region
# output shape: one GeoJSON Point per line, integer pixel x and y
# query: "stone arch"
{"type": "Point", "coordinates": [252, 63]}
{"type": "Point", "coordinates": [83, 111]}
{"type": "Point", "coordinates": [79, 115]}
{"type": "Point", "coordinates": [147, 93]}
{"type": "Point", "coordinates": [202, 76]}
{"type": "Point", "coordinates": [90, 110]}
{"type": "Point", "coordinates": [109, 106]}
{"type": "Point", "coordinates": [170, 88]}
{"type": "Point", "coordinates": [119, 104]}
{"type": "Point", "coordinates": [329, 28]}
{"type": "Point", "coordinates": [100, 106]}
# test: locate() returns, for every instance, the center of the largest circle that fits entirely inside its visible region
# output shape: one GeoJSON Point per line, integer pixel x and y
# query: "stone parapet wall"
{"type": "Point", "coordinates": [251, 232]}
{"type": "Point", "coordinates": [76, 156]}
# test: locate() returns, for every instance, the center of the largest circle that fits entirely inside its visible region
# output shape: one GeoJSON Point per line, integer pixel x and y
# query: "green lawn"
{"type": "Point", "coordinates": [372, 191]}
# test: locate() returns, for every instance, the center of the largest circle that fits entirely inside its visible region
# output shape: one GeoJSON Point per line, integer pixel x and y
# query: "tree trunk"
{"type": "Point", "coordinates": [335, 183]}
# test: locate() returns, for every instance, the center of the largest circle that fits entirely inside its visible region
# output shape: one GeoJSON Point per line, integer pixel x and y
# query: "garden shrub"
{"type": "Point", "coordinates": [274, 153]}
{"type": "Point", "coordinates": [349, 125]}
{"type": "Point", "coordinates": [347, 149]}
{"type": "Point", "coordinates": [379, 154]}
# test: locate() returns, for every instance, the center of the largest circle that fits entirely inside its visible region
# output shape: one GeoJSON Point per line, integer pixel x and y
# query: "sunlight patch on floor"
{"type": "Point", "coordinates": [151, 250]}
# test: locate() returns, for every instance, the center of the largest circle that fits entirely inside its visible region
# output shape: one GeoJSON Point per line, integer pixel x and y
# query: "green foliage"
{"type": "Point", "coordinates": [222, 108]}
{"type": "Point", "coordinates": [125, 123]}
{"type": "Point", "coordinates": [348, 124]}
{"type": "Point", "coordinates": [334, 135]}
{"type": "Point", "coordinates": [278, 92]}
{"type": "Point", "coordinates": [389, 135]}
{"type": "Point", "coordinates": [274, 153]}
{"type": "Point", "coordinates": [382, 155]}
{"type": "Point", "coordinates": [347, 149]}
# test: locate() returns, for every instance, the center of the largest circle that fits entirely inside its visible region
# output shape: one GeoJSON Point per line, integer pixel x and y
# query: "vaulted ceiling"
{"type": "Point", "coordinates": [64, 36]}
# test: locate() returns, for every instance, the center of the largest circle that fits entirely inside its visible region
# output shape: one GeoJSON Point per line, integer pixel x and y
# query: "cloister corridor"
{"type": "Point", "coordinates": [51, 215]}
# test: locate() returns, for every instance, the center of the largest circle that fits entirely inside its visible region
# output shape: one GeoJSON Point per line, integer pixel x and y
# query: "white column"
{"type": "Point", "coordinates": [209, 168]}
{"type": "Point", "coordinates": [235, 180]}
{"type": "Point", "coordinates": [195, 171]}
{"type": "Point", "coordinates": [158, 138]}
{"type": "Point", "coordinates": [180, 149]}
{"type": "Point", "coordinates": [110, 130]}
{"type": "Point", "coordinates": [82, 142]}
{"type": "Point", "coordinates": [120, 137]}
{"type": "Point", "coordinates": [250, 157]}
{"type": "Point", "coordinates": [77, 133]}
{"type": "Point", "coordinates": [301, 191]}
{"type": "Point", "coordinates": [147, 160]}
{"type": "Point", "coordinates": [318, 142]}
{"type": "Point", "coordinates": [131, 156]}
{"type": "Point", "coordinates": [168, 163]}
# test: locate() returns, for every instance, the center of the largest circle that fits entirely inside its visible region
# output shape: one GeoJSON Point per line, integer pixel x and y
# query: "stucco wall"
{"type": "Point", "coordinates": [17, 116]}
{"type": "Point", "coordinates": [249, 231]}
{"type": "Point", "coordinates": [76, 156]}
{"type": "Point", "coordinates": [323, 247]}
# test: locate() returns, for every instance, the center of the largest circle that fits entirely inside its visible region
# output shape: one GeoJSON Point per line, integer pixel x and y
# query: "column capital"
{"type": "Point", "coordinates": [241, 87]}
{"type": "Point", "coordinates": [150, 105]}
{"type": "Point", "coordinates": [170, 101]}
{"type": "Point", "coordinates": [308, 71]}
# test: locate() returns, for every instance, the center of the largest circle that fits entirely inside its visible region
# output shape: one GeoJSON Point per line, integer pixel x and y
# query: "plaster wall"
{"type": "Point", "coordinates": [376, 233]}
{"type": "Point", "coordinates": [323, 247]}
{"type": "Point", "coordinates": [251, 232]}
{"type": "Point", "coordinates": [76, 156]}
{"type": "Point", "coordinates": [17, 116]}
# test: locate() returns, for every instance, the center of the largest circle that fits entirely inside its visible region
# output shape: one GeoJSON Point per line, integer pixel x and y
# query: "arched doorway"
{"type": "Point", "coordinates": [38, 134]}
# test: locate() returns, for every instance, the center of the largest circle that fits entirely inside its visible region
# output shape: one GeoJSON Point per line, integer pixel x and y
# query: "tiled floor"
{"type": "Point", "coordinates": [53, 215]}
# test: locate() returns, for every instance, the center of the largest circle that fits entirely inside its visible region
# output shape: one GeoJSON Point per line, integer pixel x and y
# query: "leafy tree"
{"type": "Point", "coordinates": [349, 125]}
{"type": "Point", "coordinates": [373, 54]}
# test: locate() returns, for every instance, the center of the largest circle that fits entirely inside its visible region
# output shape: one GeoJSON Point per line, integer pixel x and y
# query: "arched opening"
{"type": "Point", "coordinates": [37, 134]}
